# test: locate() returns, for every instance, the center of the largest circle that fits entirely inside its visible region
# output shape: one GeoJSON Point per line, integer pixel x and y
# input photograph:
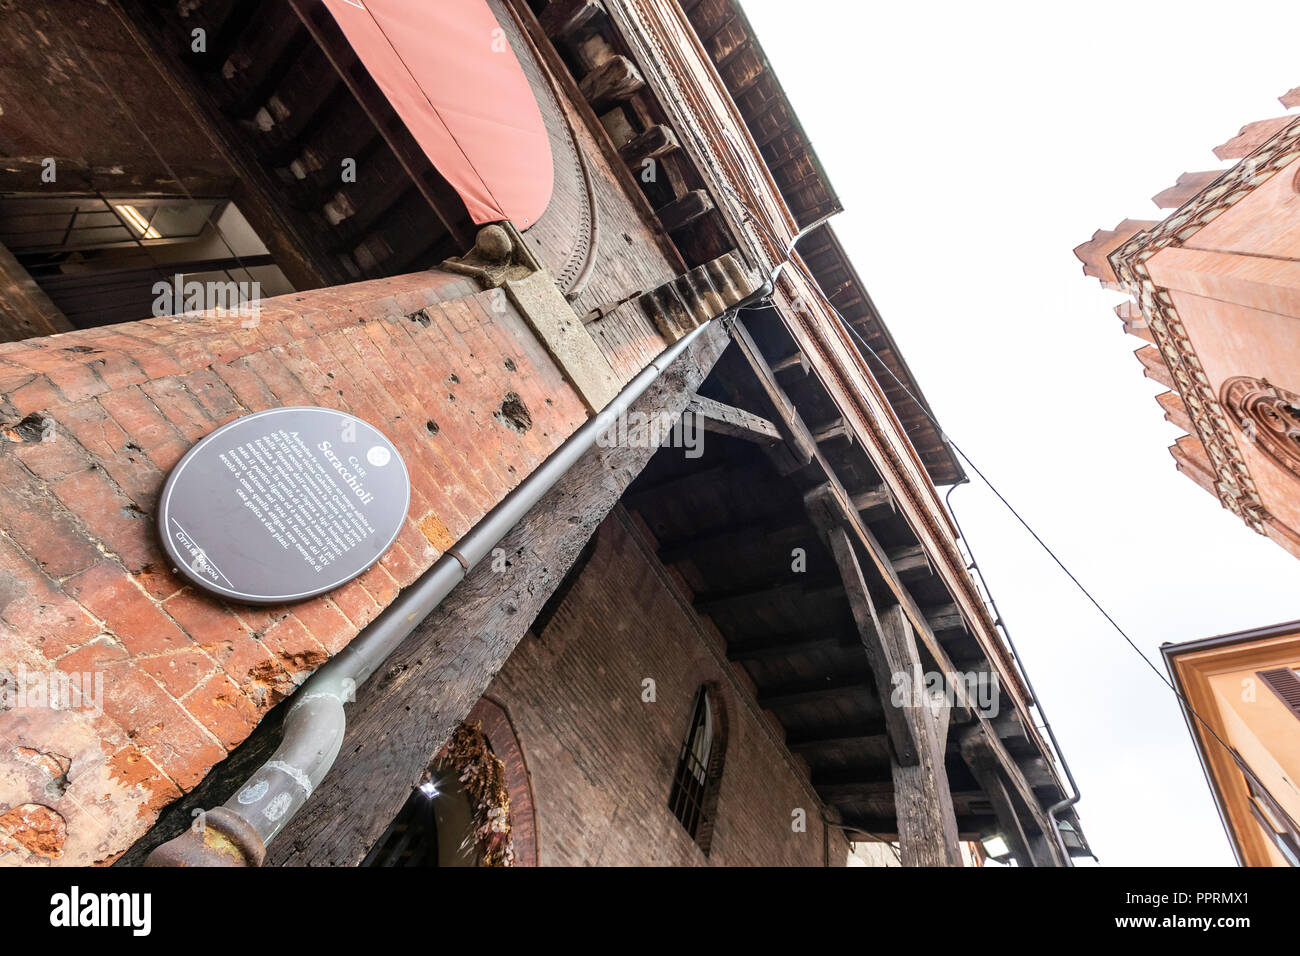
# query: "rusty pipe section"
{"type": "Point", "coordinates": [236, 833]}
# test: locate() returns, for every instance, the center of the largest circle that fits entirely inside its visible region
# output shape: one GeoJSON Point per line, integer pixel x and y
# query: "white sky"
{"type": "Point", "coordinates": [973, 146]}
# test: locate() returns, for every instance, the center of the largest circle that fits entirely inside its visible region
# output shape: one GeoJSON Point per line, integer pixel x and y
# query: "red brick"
{"type": "Point", "coordinates": [31, 605]}
{"type": "Point", "coordinates": [93, 657]}
{"type": "Point", "coordinates": [119, 455]}
{"type": "Point", "coordinates": [401, 567]}
{"type": "Point", "coordinates": [137, 415]}
{"type": "Point", "coordinates": [270, 369]}
{"type": "Point", "coordinates": [52, 458]}
{"type": "Point", "coordinates": [325, 622]}
{"type": "Point", "coordinates": [179, 407]}
{"type": "Point", "coordinates": [225, 710]}
{"type": "Point", "coordinates": [159, 726]}
{"type": "Point", "coordinates": [48, 534]}
{"type": "Point", "coordinates": [356, 603]}
{"type": "Point", "coordinates": [295, 648]}
{"type": "Point", "coordinates": [379, 584]}
{"type": "Point", "coordinates": [36, 396]}
{"type": "Point", "coordinates": [215, 397]}
{"type": "Point", "coordinates": [178, 672]}
{"type": "Point", "coordinates": [142, 627]}
{"type": "Point", "coordinates": [131, 767]}
{"type": "Point", "coordinates": [111, 518]}
{"type": "Point", "coordinates": [77, 383]}
{"type": "Point", "coordinates": [247, 387]}
{"type": "Point", "coordinates": [117, 369]}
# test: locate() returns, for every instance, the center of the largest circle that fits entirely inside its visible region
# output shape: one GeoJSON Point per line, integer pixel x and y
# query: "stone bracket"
{"type": "Point", "coordinates": [501, 259]}
{"type": "Point", "coordinates": [553, 321]}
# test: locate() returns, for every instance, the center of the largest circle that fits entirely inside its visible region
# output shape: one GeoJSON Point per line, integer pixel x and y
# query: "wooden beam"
{"type": "Point", "coordinates": [25, 310]}
{"type": "Point", "coordinates": [677, 484]}
{"type": "Point", "coordinates": [728, 420]}
{"type": "Point", "coordinates": [22, 174]}
{"type": "Point", "coordinates": [738, 538]}
{"type": "Point", "coordinates": [614, 80]}
{"type": "Point", "coordinates": [944, 617]}
{"type": "Point", "coordinates": [872, 734]}
{"type": "Point", "coordinates": [714, 603]}
{"type": "Point", "coordinates": [909, 560]}
{"type": "Point", "coordinates": [655, 141]}
{"type": "Point", "coordinates": [840, 503]}
{"type": "Point", "coordinates": [799, 441]}
{"type": "Point", "coordinates": [565, 18]}
{"type": "Point", "coordinates": [874, 502]}
{"type": "Point", "coordinates": [837, 787]}
{"type": "Point", "coordinates": [836, 430]}
{"type": "Point", "coordinates": [970, 827]}
{"type": "Point", "coordinates": [1008, 726]}
{"type": "Point", "coordinates": [798, 362]}
{"type": "Point", "coordinates": [786, 645]}
{"type": "Point", "coordinates": [685, 209]}
{"type": "Point", "coordinates": [800, 692]}
{"type": "Point", "coordinates": [307, 259]}
{"type": "Point", "coordinates": [449, 212]}
{"type": "Point", "coordinates": [983, 766]}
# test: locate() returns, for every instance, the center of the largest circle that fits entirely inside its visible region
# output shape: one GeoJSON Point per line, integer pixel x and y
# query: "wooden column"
{"type": "Point", "coordinates": [927, 822]}
{"type": "Point", "coordinates": [975, 750]}
{"type": "Point", "coordinates": [800, 450]}
{"type": "Point", "coordinates": [885, 654]}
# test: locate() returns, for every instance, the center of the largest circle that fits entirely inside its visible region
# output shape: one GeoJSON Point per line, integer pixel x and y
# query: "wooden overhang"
{"type": "Point", "coordinates": [680, 89]}
{"type": "Point", "coordinates": [731, 522]}
{"type": "Point", "coordinates": [724, 30]}
{"type": "Point", "coordinates": [735, 51]}
{"type": "Point", "coordinates": [839, 280]}
{"type": "Point", "coordinates": [286, 99]}
{"type": "Point", "coordinates": [287, 103]}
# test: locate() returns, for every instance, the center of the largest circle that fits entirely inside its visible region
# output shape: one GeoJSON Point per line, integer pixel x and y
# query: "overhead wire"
{"type": "Point", "coordinates": [868, 350]}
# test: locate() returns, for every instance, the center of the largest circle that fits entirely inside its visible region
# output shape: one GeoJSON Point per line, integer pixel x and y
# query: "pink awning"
{"type": "Point", "coordinates": [449, 72]}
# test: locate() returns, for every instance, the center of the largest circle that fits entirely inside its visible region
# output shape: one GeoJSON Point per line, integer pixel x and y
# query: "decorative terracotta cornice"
{"type": "Point", "coordinates": [1235, 486]}
{"type": "Point", "coordinates": [708, 124]}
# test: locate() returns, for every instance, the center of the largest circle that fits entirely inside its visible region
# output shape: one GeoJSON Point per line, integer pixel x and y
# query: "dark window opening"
{"type": "Point", "coordinates": [103, 260]}
{"type": "Point", "coordinates": [699, 769]}
{"type": "Point", "coordinates": [433, 828]}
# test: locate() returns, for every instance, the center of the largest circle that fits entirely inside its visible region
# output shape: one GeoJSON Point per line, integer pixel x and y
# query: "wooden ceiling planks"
{"type": "Point", "coordinates": [729, 522]}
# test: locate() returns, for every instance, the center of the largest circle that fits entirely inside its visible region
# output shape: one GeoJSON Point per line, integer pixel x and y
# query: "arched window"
{"type": "Point", "coordinates": [694, 795]}
{"type": "Point", "coordinates": [439, 823]}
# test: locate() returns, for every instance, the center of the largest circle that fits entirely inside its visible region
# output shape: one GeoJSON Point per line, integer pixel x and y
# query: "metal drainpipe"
{"type": "Point", "coordinates": [1063, 805]}
{"type": "Point", "coordinates": [237, 833]}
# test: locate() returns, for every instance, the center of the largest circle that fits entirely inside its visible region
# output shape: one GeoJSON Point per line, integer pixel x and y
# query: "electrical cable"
{"type": "Point", "coordinates": [862, 343]}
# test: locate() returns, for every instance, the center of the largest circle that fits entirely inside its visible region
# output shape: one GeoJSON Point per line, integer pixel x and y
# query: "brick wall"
{"type": "Point", "coordinates": [601, 759]}
{"type": "Point", "coordinates": [92, 421]}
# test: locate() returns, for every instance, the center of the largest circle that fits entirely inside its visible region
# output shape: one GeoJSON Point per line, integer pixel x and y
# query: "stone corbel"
{"type": "Point", "coordinates": [501, 259]}
{"type": "Point", "coordinates": [690, 300]}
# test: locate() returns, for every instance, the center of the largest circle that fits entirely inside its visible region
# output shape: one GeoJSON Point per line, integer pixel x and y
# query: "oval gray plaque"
{"type": "Point", "coordinates": [283, 505]}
